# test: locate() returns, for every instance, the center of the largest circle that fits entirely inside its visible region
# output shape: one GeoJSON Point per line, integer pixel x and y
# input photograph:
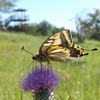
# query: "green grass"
{"type": "Point", "coordinates": [79, 81]}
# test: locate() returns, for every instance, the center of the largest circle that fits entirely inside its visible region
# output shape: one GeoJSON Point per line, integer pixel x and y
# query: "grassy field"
{"type": "Point", "coordinates": [79, 81]}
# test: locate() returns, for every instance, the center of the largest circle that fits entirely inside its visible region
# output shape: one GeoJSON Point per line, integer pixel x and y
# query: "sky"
{"type": "Point", "coordinates": [60, 13]}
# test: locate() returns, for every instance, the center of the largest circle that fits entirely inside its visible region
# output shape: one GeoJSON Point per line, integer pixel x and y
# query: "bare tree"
{"type": "Point", "coordinates": [79, 26]}
{"type": "Point", "coordinates": [89, 26]}
{"type": "Point", "coordinates": [6, 5]}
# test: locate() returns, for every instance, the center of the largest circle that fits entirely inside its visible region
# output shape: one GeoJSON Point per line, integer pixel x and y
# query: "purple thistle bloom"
{"type": "Point", "coordinates": [40, 78]}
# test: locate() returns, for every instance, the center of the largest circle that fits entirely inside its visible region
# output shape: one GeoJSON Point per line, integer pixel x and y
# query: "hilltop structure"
{"type": "Point", "coordinates": [19, 19]}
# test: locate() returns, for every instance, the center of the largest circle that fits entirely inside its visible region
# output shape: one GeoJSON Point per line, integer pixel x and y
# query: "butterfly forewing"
{"type": "Point", "coordinates": [62, 38]}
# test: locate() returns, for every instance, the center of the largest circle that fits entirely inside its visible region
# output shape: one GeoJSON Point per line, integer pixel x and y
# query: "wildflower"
{"type": "Point", "coordinates": [42, 80]}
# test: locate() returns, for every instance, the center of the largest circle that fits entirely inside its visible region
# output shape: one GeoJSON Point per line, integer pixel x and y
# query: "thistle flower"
{"type": "Point", "coordinates": [42, 80]}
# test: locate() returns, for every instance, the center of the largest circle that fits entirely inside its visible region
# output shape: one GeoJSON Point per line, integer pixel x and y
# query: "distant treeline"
{"type": "Point", "coordinates": [43, 28]}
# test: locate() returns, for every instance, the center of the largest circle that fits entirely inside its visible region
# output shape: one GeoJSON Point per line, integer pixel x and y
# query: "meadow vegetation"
{"type": "Point", "coordinates": [79, 81]}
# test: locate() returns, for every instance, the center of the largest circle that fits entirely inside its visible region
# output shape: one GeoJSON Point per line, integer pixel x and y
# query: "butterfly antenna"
{"type": "Point", "coordinates": [23, 49]}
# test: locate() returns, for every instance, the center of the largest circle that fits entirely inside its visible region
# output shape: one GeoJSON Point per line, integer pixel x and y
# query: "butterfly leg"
{"type": "Point", "coordinates": [49, 65]}
{"type": "Point", "coordinates": [41, 64]}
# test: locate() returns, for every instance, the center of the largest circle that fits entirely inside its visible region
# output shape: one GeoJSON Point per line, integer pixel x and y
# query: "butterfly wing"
{"type": "Point", "coordinates": [56, 47]}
